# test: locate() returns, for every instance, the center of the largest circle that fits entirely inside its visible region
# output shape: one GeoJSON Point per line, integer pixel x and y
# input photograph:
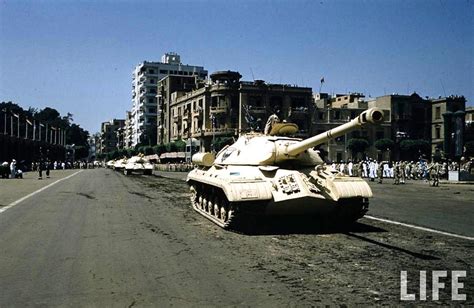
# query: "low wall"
{"type": "Point", "coordinates": [174, 167]}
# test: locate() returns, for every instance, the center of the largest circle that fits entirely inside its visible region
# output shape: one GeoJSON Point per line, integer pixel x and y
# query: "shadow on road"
{"type": "Point", "coordinates": [394, 248]}
{"type": "Point", "coordinates": [303, 225]}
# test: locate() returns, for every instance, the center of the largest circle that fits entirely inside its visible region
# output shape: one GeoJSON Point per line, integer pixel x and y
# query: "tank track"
{"type": "Point", "coordinates": [351, 209]}
{"type": "Point", "coordinates": [211, 202]}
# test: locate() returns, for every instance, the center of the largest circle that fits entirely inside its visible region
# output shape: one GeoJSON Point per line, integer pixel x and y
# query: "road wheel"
{"type": "Point", "coordinates": [194, 196]}
{"type": "Point", "coordinates": [210, 207]}
{"type": "Point", "coordinates": [217, 211]}
{"type": "Point", "coordinates": [224, 212]}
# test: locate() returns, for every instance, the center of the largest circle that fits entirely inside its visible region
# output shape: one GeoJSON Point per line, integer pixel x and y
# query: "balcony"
{"type": "Point", "coordinates": [216, 132]}
{"type": "Point", "coordinates": [218, 109]}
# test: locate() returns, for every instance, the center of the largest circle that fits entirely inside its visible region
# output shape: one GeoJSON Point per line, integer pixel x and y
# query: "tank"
{"type": "Point", "coordinates": [138, 164]}
{"type": "Point", "coordinates": [275, 175]}
{"type": "Point", "coordinates": [119, 164]}
{"type": "Point", "coordinates": [110, 164]}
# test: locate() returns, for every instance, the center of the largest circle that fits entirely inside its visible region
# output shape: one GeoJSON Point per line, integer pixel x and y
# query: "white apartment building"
{"type": "Point", "coordinates": [145, 79]}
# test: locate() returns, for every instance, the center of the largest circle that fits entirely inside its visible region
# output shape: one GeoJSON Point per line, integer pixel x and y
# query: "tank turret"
{"type": "Point", "coordinates": [274, 174]}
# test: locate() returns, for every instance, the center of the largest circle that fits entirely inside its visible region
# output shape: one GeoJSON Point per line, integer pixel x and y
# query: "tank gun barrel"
{"type": "Point", "coordinates": [371, 116]}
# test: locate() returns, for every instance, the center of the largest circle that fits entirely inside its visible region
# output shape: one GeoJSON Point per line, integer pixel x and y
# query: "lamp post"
{"type": "Point", "coordinates": [213, 123]}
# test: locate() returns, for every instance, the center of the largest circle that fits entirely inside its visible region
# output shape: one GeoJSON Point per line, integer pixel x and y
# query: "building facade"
{"type": "Point", "coordinates": [331, 111]}
{"type": "Point", "coordinates": [145, 79]}
{"type": "Point", "coordinates": [223, 107]}
{"type": "Point", "coordinates": [447, 126]}
{"type": "Point", "coordinates": [109, 136]}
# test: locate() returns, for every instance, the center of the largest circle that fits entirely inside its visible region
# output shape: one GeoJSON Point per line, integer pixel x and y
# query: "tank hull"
{"type": "Point", "coordinates": [279, 192]}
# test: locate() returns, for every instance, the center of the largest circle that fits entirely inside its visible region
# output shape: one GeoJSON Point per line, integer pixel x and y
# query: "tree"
{"type": "Point", "coordinates": [357, 145]}
{"type": "Point", "coordinates": [159, 149]}
{"type": "Point", "coordinates": [384, 144]}
{"type": "Point", "coordinates": [413, 148]}
{"type": "Point", "coordinates": [469, 148]}
{"type": "Point", "coordinates": [148, 150]}
{"type": "Point", "coordinates": [180, 145]}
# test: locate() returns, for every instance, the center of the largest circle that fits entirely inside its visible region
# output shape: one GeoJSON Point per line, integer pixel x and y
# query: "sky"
{"type": "Point", "coordinates": [78, 56]}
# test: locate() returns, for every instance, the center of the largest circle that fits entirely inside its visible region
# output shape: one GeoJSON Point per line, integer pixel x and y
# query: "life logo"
{"type": "Point", "coordinates": [438, 285]}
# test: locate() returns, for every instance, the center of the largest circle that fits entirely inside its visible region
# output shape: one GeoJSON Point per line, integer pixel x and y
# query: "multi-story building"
{"type": "Point", "coordinates": [109, 137]}
{"type": "Point", "coordinates": [145, 79]}
{"type": "Point", "coordinates": [439, 121]}
{"type": "Point", "coordinates": [447, 126]}
{"type": "Point", "coordinates": [410, 115]}
{"type": "Point", "coordinates": [332, 111]}
{"type": "Point", "coordinates": [469, 129]}
{"type": "Point", "coordinates": [128, 130]}
{"type": "Point", "coordinates": [170, 87]}
{"type": "Point", "coordinates": [224, 106]}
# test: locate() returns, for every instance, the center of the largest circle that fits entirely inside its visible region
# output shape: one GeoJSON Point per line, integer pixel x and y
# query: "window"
{"type": "Point", "coordinates": [437, 132]}
{"type": "Point", "coordinates": [438, 113]}
{"type": "Point", "coordinates": [152, 110]}
{"type": "Point", "coordinates": [163, 71]}
{"type": "Point", "coordinates": [379, 135]}
{"type": "Point", "coordinates": [337, 115]}
{"type": "Point", "coordinates": [151, 71]}
{"type": "Point", "coordinates": [321, 115]}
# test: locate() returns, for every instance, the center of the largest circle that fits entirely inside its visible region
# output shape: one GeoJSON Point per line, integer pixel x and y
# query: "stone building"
{"type": "Point", "coordinates": [469, 128]}
{"type": "Point", "coordinates": [224, 106]}
{"type": "Point", "coordinates": [331, 111]}
{"type": "Point", "coordinates": [447, 126]}
{"type": "Point", "coordinates": [109, 137]}
{"type": "Point", "coordinates": [440, 121]}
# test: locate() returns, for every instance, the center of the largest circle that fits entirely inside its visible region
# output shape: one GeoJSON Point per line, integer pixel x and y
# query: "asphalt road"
{"type": "Point", "coordinates": [99, 239]}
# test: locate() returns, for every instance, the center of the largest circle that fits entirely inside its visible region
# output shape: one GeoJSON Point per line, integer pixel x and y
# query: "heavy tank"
{"type": "Point", "coordinates": [138, 164]}
{"type": "Point", "coordinates": [119, 164]}
{"type": "Point", "coordinates": [277, 175]}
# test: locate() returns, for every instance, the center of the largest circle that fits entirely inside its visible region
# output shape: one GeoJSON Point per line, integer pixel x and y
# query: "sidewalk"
{"type": "Point", "coordinates": [14, 189]}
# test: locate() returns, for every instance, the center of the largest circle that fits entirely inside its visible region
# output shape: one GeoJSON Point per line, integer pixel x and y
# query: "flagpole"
{"type": "Point", "coordinates": [26, 128]}
{"type": "Point", "coordinates": [34, 129]}
{"type": "Point", "coordinates": [46, 133]}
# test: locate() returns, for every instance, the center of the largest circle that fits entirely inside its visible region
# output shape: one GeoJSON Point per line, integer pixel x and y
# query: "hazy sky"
{"type": "Point", "coordinates": [78, 56]}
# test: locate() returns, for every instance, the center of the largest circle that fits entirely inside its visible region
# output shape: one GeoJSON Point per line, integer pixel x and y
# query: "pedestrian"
{"type": "Point", "coordinates": [47, 164]}
{"type": "Point", "coordinates": [40, 164]}
{"type": "Point", "coordinates": [434, 170]}
{"type": "Point", "coordinates": [402, 172]}
{"type": "Point", "coordinates": [13, 169]}
{"type": "Point", "coordinates": [364, 168]}
{"type": "Point", "coordinates": [396, 173]}
{"type": "Point", "coordinates": [342, 167]}
{"type": "Point", "coordinates": [349, 168]}
{"type": "Point", "coordinates": [380, 171]}
{"type": "Point", "coordinates": [372, 170]}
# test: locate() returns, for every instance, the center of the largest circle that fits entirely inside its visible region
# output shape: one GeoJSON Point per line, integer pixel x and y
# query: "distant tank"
{"type": "Point", "coordinates": [119, 164]}
{"type": "Point", "coordinates": [138, 164]}
{"type": "Point", "coordinates": [110, 164]}
{"type": "Point", "coordinates": [271, 174]}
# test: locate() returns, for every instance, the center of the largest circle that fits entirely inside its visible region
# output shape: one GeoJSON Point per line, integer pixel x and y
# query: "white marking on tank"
{"type": "Point", "coordinates": [3, 209]}
{"type": "Point", "coordinates": [420, 228]}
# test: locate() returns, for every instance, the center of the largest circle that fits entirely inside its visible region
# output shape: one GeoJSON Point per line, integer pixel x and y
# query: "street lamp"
{"type": "Point", "coordinates": [213, 122]}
